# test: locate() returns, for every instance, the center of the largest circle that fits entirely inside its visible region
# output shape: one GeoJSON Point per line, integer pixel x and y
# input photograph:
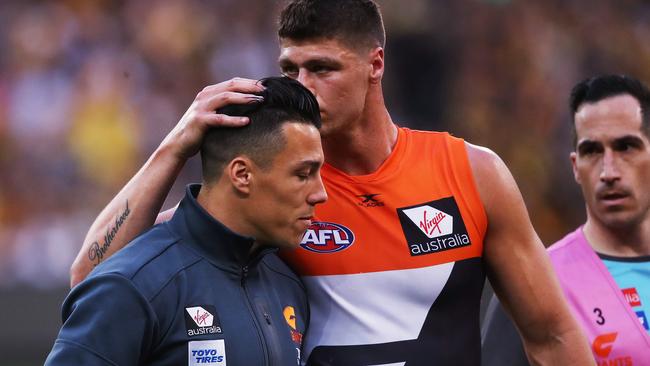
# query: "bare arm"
{"type": "Point", "coordinates": [520, 272]}
{"type": "Point", "coordinates": [135, 207]}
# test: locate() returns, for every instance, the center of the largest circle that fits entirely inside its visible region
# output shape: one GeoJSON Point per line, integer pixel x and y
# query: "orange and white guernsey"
{"type": "Point", "coordinates": [392, 263]}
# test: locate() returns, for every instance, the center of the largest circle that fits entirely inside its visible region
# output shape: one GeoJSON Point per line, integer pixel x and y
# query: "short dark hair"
{"type": "Point", "coordinates": [597, 88]}
{"type": "Point", "coordinates": [353, 22]}
{"type": "Point", "coordinates": [285, 100]}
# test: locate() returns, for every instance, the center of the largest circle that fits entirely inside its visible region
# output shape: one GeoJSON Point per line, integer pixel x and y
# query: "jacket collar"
{"type": "Point", "coordinates": [220, 245]}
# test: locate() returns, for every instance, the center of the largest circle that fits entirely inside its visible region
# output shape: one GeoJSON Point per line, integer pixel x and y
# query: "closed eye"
{"type": "Point", "coordinates": [288, 68]}
{"type": "Point", "coordinates": [290, 72]}
{"type": "Point", "coordinates": [322, 65]}
{"type": "Point", "coordinates": [320, 69]}
{"type": "Point", "coordinates": [308, 169]}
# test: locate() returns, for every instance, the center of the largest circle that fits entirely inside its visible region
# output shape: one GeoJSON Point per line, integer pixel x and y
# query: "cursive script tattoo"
{"type": "Point", "coordinates": [96, 252]}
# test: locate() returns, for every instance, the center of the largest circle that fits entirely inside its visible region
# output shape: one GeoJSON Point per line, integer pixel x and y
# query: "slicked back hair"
{"type": "Point", "coordinates": [355, 23]}
{"type": "Point", "coordinates": [597, 88]}
{"type": "Point", "coordinates": [285, 100]}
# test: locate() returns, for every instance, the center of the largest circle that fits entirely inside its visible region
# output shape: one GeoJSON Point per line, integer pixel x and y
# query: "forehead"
{"type": "Point", "coordinates": [609, 118]}
{"type": "Point", "coordinates": [320, 48]}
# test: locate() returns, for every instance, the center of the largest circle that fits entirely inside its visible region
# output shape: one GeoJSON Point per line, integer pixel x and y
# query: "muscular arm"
{"type": "Point", "coordinates": [135, 207]}
{"type": "Point", "coordinates": [520, 272]}
{"type": "Point", "coordinates": [132, 211]}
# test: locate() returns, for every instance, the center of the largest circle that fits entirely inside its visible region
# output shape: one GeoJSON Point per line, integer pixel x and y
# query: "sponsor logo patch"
{"type": "Point", "coordinates": [201, 319]}
{"type": "Point", "coordinates": [327, 237]}
{"type": "Point", "coordinates": [632, 296]}
{"type": "Point", "coordinates": [207, 353]}
{"type": "Point", "coordinates": [370, 200]}
{"type": "Point", "coordinates": [433, 227]}
{"type": "Point", "coordinates": [602, 345]}
{"type": "Point", "coordinates": [290, 316]}
{"type": "Point", "coordinates": [643, 319]}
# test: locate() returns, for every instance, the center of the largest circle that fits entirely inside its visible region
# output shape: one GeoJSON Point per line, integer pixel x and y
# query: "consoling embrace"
{"type": "Point", "coordinates": [396, 282]}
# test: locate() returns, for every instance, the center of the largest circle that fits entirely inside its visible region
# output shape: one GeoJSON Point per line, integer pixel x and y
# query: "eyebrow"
{"type": "Point", "coordinates": [285, 61]}
{"type": "Point", "coordinates": [623, 139]}
{"type": "Point", "coordinates": [322, 60]}
{"type": "Point", "coordinates": [629, 139]}
{"type": "Point", "coordinates": [312, 163]}
{"type": "Point", "coordinates": [587, 143]}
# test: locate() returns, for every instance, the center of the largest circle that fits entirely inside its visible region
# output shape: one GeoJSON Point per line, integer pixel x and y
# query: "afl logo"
{"type": "Point", "coordinates": [327, 237]}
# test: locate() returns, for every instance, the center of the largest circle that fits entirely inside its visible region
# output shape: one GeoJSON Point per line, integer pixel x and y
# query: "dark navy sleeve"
{"type": "Point", "coordinates": [106, 321]}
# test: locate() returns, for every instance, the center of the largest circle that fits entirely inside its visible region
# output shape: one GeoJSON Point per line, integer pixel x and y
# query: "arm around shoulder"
{"type": "Point", "coordinates": [131, 212]}
{"type": "Point", "coordinates": [135, 207]}
{"type": "Point", "coordinates": [519, 269]}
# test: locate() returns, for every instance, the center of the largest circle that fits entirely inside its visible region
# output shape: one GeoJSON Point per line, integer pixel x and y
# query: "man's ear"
{"type": "Point", "coordinates": [573, 157]}
{"type": "Point", "coordinates": [377, 64]}
{"type": "Point", "coordinates": [240, 174]}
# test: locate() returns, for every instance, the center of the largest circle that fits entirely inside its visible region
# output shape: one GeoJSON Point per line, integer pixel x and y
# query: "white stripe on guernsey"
{"type": "Point", "coordinates": [391, 364]}
{"type": "Point", "coordinates": [371, 308]}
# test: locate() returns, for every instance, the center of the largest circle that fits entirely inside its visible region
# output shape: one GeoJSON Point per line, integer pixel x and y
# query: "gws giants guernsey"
{"type": "Point", "coordinates": [392, 264]}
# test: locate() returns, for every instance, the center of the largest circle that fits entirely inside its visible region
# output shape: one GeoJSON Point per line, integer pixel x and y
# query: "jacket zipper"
{"type": "Point", "coordinates": [251, 310]}
{"type": "Point", "coordinates": [273, 339]}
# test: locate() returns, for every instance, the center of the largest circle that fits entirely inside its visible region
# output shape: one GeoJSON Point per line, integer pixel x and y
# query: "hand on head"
{"type": "Point", "coordinates": [186, 137]}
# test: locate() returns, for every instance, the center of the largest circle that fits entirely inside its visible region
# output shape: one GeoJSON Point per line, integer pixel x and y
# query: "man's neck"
{"type": "Point", "coordinates": [362, 148]}
{"type": "Point", "coordinates": [219, 204]}
{"type": "Point", "coordinates": [631, 241]}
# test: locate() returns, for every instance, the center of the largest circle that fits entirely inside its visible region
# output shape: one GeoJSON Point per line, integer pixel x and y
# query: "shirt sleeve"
{"type": "Point", "coordinates": [106, 321]}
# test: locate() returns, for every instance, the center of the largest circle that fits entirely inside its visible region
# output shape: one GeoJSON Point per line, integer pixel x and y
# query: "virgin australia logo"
{"type": "Point", "coordinates": [430, 221]}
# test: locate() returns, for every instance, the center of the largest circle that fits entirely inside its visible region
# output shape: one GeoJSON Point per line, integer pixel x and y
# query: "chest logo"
{"type": "Point", "coordinates": [370, 200]}
{"type": "Point", "coordinates": [602, 345]}
{"type": "Point", "coordinates": [433, 227]}
{"type": "Point", "coordinates": [327, 237]}
{"type": "Point", "coordinates": [201, 319]}
{"type": "Point", "coordinates": [632, 296]}
{"type": "Point", "coordinates": [290, 316]}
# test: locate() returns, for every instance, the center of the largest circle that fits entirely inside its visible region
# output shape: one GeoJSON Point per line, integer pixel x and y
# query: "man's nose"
{"type": "Point", "coordinates": [610, 172]}
{"type": "Point", "coordinates": [319, 195]}
{"type": "Point", "coordinates": [305, 78]}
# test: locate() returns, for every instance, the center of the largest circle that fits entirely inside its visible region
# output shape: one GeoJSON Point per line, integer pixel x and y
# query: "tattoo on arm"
{"type": "Point", "coordinates": [97, 251]}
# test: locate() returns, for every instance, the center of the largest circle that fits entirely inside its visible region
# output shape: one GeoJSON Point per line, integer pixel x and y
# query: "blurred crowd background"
{"type": "Point", "coordinates": [88, 88]}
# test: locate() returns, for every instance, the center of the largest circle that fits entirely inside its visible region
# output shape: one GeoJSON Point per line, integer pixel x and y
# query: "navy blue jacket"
{"type": "Point", "coordinates": [186, 292]}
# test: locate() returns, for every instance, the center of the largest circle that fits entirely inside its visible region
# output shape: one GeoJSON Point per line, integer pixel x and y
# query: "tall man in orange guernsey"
{"type": "Point", "coordinates": [396, 260]}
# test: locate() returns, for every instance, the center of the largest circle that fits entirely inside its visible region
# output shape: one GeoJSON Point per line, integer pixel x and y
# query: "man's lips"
{"type": "Point", "coordinates": [613, 196]}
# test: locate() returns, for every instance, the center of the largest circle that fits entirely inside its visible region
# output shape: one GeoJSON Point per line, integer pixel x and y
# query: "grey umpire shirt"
{"type": "Point", "coordinates": [185, 293]}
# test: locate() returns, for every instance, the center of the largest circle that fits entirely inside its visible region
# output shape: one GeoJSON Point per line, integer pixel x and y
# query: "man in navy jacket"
{"type": "Point", "coordinates": [206, 287]}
